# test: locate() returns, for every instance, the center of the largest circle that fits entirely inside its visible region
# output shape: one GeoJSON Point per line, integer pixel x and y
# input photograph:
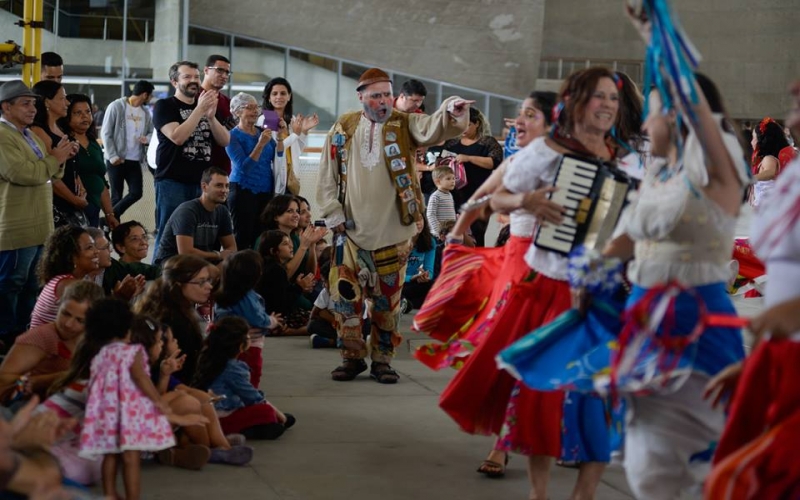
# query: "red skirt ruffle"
{"type": "Point", "coordinates": [478, 397]}
{"type": "Point", "coordinates": [457, 308]}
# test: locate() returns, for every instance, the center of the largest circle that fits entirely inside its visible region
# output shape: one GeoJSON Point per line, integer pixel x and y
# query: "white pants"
{"type": "Point", "coordinates": [665, 432]}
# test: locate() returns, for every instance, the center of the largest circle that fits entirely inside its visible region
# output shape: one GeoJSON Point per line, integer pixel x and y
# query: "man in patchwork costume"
{"type": "Point", "coordinates": [368, 192]}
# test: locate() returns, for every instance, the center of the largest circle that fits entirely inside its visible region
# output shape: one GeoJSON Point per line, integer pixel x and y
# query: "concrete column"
{"type": "Point", "coordinates": [166, 46]}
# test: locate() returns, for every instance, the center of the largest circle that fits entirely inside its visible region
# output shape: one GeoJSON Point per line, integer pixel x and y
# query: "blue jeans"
{"type": "Point", "coordinates": [129, 171]}
{"type": "Point", "coordinates": [170, 194]}
{"type": "Point", "coordinates": [19, 288]}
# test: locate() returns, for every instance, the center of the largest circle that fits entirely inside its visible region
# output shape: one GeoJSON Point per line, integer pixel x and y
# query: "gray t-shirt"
{"type": "Point", "coordinates": [192, 219]}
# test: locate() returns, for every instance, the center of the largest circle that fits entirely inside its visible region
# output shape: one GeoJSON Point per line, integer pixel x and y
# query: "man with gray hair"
{"type": "Point", "coordinates": [125, 132]}
{"type": "Point", "coordinates": [368, 161]}
{"type": "Point", "coordinates": [187, 127]}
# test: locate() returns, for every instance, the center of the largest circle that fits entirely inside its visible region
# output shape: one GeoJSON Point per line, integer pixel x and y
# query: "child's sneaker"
{"type": "Point", "coordinates": [318, 342]}
{"type": "Point", "coordinates": [405, 306]}
{"type": "Point", "coordinates": [237, 455]}
{"type": "Point", "coordinates": [236, 439]}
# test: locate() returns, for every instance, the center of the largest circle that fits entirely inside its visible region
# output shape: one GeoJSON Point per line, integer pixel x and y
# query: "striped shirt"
{"type": "Point", "coordinates": [441, 208]}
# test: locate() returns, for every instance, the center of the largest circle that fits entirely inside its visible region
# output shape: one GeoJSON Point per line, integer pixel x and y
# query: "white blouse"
{"type": "Point", "coordinates": [535, 167]}
{"type": "Point", "coordinates": [775, 236]}
{"type": "Point", "coordinates": [679, 233]}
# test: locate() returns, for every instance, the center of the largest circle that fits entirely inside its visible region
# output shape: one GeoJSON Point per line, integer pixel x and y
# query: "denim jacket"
{"type": "Point", "coordinates": [234, 383]}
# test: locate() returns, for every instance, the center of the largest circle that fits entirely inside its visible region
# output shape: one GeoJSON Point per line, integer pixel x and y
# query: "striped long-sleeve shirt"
{"type": "Point", "coordinates": [441, 207]}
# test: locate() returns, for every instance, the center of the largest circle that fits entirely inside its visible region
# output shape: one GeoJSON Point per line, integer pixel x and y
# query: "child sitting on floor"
{"type": "Point", "coordinates": [243, 410]}
{"type": "Point", "coordinates": [322, 326]}
{"type": "Point", "coordinates": [237, 297]}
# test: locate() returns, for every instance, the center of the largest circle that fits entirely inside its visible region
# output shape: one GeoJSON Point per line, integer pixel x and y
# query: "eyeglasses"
{"type": "Point", "coordinates": [207, 281]}
{"type": "Point", "coordinates": [221, 71]}
{"type": "Point", "coordinates": [252, 107]}
{"type": "Point", "coordinates": [137, 239]}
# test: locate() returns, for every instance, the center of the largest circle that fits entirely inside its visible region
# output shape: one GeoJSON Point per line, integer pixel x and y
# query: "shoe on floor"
{"type": "Point", "coordinates": [236, 439]}
{"type": "Point", "coordinates": [237, 455]}
{"type": "Point", "coordinates": [319, 342]}
{"type": "Point", "coordinates": [348, 370]}
{"type": "Point", "coordinates": [290, 421]}
{"type": "Point", "coordinates": [265, 431]}
{"type": "Point", "coordinates": [192, 457]}
{"type": "Point", "coordinates": [405, 306]}
{"type": "Point", "coordinates": [383, 373]}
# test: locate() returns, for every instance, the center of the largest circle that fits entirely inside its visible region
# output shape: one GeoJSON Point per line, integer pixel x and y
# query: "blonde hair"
{"type": "Point", "coordinates": [440, 172]}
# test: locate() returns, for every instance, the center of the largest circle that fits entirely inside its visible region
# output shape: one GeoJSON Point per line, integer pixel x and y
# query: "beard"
{"type": "Point", "coordinates": [189, 89]}
{"type": "Point", "coordinates": [374, 115]}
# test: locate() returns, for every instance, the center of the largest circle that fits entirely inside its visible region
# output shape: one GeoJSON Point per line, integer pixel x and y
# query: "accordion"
{"type": "Point", "coordinates": [593, 194]}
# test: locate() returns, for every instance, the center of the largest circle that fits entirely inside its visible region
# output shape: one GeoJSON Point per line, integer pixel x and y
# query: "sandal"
{"type": "Point", "coordinates": [383, 373]}
{"type": "Point", "coordinates": [493, 469]}
{"type": "Point", "coordinates": [349, 370]}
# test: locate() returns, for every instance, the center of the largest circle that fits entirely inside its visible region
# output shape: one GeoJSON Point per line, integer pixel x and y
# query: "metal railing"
{"type": "Point", "coordinates": [98, 26]}
{"type": "Point", "coordinates": [558, 68]}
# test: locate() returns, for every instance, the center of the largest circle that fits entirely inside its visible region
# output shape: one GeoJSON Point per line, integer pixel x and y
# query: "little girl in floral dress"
{"type": "Point", "coordinates": [124, 414]}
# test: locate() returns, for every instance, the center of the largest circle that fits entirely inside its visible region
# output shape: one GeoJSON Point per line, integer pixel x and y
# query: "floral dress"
{"type": "Point", "coordinates": [119, 417]}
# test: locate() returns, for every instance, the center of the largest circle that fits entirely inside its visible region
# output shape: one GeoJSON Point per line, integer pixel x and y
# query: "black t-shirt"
{"type": "Point", "coordinates": [181, 163]}
{"type": "Point", "coordinates": [486, 146]}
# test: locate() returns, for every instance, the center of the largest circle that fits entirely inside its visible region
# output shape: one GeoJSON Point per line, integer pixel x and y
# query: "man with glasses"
{"type": "Point", "coordinates": [369, 194]}
{"type": "Point", "coordinates": [412, 96]}
{"type": "Point", "coordinates": [201, 226]}
{"type": "Point", "coordinates": [126, 131]}
{"type": "Point", "coordinates": [216, 75]}
{"type": "Point", "coordinates": [26, 204]}
{"type": "Point", "coordinates": [187, 128]}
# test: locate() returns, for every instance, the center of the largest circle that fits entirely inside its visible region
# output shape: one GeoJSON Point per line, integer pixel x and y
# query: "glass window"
{"type": "Point", "coordinates": [254, 64]}
{"type": "Point", "coordinates": [313, 79]}
{"type": "Point", "coordinates": [348, 99]}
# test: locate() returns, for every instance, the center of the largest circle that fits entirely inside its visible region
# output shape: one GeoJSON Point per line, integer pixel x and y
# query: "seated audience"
{"type": "Point", "coordinates": [201, 227]}
{"type": "Point", "coordinates": [69, 255]}
{"type": "Point", "coordinates": [42, 354]}
{"type": "Point", "coordinates": [420, 268]}
{"type": "Point", "coordinates": [244, 409]}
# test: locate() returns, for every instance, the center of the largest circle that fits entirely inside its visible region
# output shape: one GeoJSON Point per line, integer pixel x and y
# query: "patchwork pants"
{"type": "Point", "coordinates": [376, 276]}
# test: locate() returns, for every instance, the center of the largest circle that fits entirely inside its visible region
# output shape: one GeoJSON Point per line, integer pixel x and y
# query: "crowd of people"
{"type": "Point", "coordinates": [111, 361]}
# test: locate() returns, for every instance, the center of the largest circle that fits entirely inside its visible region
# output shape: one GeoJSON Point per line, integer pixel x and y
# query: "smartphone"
{"type": "Point", "coordinates": [217, 397]}
{"type": "Point", "coordinates": [319, 223]}
{"type": "Point", "coordinates": [271, 119]}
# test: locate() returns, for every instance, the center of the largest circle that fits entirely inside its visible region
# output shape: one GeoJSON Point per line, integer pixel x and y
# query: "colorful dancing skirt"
{"type": "Point", "coordinates": [479, 395]}
{"type": "Point", "coordinates": [468, 290]}
{"type": "Point", "coordinates": [757, 455]}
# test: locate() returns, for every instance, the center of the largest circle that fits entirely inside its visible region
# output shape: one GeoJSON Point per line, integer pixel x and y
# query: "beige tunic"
{"type": "Point", "coordinates": [371, 197]}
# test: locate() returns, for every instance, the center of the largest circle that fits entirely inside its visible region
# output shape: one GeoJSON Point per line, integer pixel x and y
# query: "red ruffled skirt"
{"type": "Point", "coordinates": [757, 454]}
{"type": "Point", "coordinates": [479, 398]}
{"type": "Point", "coordinates": [457, 309]}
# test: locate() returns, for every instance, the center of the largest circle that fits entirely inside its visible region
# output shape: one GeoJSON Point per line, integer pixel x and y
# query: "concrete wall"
{"type": "Point", "coordinates": [749, 49]}
{"type": "Point", "coordinates": [492, 45]}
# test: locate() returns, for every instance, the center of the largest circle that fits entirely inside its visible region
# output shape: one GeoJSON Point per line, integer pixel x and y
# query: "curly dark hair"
{"type": "Point", "coordinates": [276, 207]}
{"type": "Point", "coordinates": [770, 141]}
{"type": "Point", "coordinates": [576, 92]}
{"type": "Point", "coordinates": [629, 121]}
{"type": "Point", "coordinates": [165, 296]}
{"type": "Point", "coordinates": [59, 254]}
{"type": "Point", "coordinates": [225, 341]}
{"type": "Point", "coordinates": [240, 274]}
{"type": "Point", "coordinates": [145, 330]}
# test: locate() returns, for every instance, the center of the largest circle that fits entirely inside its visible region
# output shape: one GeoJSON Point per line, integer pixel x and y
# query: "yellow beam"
{"type": "Point", "coordinates": [38, 17]}
{"type": "Point", "coordinates": [27, 42]}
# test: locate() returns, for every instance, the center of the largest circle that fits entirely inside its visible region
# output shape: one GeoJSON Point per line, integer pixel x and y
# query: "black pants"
{"type": "Point", "coordinates": [415, 293]}
{"type": "Point", "coordinates": [246, 207]}
{"type": "Point", "coordinates": [128, 171]}
{"type": "Point", "coordinates": [322, 328]}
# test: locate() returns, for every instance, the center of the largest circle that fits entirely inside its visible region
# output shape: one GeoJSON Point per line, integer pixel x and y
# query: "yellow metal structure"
{"type": "Point", "coordinates": [32, 25]}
